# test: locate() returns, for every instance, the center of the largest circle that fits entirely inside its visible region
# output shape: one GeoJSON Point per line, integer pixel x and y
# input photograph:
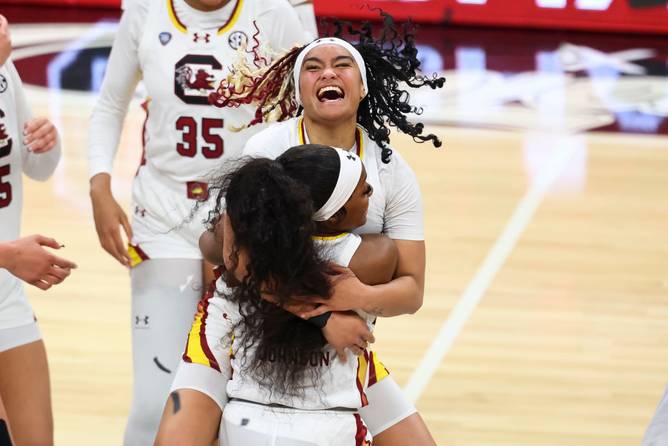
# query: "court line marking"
{"type": "Point", "coordinates": [493, 262]}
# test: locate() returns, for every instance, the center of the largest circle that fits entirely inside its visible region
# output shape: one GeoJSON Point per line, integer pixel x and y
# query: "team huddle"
{"type": "Point", "coordinates": [267, 179]}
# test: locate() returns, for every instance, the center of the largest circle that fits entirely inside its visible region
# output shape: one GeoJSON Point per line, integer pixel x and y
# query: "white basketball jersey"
{"type": "Point", "coordinates": [11, 135]}
{"type": "Point", "coordinates": [182, 64]}
{"type": "Point", "coordinates": [339, 384]}
{"type": "Point", "coordinates": [395, 208]}
{"type": "Point", "coordinates": [14, 161]}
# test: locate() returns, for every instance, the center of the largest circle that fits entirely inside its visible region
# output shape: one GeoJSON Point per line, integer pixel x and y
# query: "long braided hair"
{"type": "Point", "coordinates": [391, 60]}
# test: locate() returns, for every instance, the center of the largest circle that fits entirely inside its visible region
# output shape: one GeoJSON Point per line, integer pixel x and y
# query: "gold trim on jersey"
{"type": "Point", "coordinates": [233, 18]}
{"type": "Point", "coordinates": [330, 237]}
{"type": "Point", "coordinates": [302, 131]}
{"type": "Point", "coordinates": [178, 24]}
{"type": "Point", "coordinates": [136, 254]}
{"type": "Point", "coordinates": [361, 380]}
{"type": "Point", "coordinates": [377, 370]}
{"type": "Point", "coordinates": [359, 139]}
{"type": "Point", "coordinates": [197, 346]}
{"type": "Point", "coordinates": [174, 18]}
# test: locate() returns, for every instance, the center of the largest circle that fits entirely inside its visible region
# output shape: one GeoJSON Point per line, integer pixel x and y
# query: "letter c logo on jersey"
{"type": "Point", "coordinates": [194, 78]}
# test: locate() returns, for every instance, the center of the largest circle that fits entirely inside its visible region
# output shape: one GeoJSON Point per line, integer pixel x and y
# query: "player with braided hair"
{"type": "Point", "coordinates": [391, 59]}
{"type": "Point", "coordinates": [350, 95]}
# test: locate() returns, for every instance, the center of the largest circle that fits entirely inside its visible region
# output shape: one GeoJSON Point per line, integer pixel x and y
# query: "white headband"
{"type": "Point", "coordinates": [327, 41]}
{"type": "Point", "coordinates": [349, 175]}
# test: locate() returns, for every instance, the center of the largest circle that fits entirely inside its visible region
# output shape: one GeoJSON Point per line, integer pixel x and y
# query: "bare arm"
{"type": "Point", "coordinates": [375, 261]}
{"type": "Point", "coordinates": [106, 123]}
{"type": "Point", "coordinates": [402, 295]}
{"type": "Point", "coordinates": [190, 418]}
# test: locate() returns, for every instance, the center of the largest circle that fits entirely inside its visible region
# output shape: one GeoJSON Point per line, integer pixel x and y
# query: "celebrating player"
{"type": "Point", "coordinates": [180, 49]}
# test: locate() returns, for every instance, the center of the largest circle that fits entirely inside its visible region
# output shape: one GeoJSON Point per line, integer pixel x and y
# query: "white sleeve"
{"type": "Point", "coordinates": [38, 166]}
{"type": "Point", "coordinates": [306, 15]}
{"type": "Point", "coordinates": [121, 78]}
{"type": "Point", "coordinates": [260, 145]}
{"type": "Point", "coordinates": [345, 255]}
{"type": "Point", "coordinates": [403, 208]}
{"type": "Point", "coordinates": [282, 25]}
{"type": "Point", "coordinates": [206, 365]}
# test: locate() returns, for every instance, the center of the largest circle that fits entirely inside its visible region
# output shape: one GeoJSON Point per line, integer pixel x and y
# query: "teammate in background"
{"type": "Point", "coordinates": [180, 49]}
{"type": "Point", "coordinates": [350, 96]}
{"type": "Point", "coordinates": [284, 220]}
{"type": "Point", "coordinates": [31, 146]}
{"type": "Point", "coordinates": [306, 14]}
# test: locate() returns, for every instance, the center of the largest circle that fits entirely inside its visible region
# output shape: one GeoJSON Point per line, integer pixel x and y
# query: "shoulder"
{"type": "Point", "coordinates": [218, 303]}
{"type": "Point", "coordinates": [375, 260]}
{"type": "Point", "coordinates": [397, 166]}
{"type": "Point", "coordinates": [9, 70]}
{"type": "Point", "coordinates": [378, 245]}
{"type": "Point", "coordinates": [340, 248]}
{"type": "Point", "coordinates": [272, 141]}
{"type": "Point", "coordinates": [272, 6]}
{"type": "Point", "coordinates": [136, 9]}
{"type": "Point", "coordinates": [135, 14]}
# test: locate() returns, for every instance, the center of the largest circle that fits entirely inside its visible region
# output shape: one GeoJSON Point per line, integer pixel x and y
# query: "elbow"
{"type": "Point", "coordinates": [40, 167]}
{"type": "Point", "coordinates": [416, 304]}
{"type": "Point", "coordinates": [41, 175]}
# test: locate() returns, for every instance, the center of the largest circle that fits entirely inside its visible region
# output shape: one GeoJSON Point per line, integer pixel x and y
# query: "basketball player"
{"type": "Point", "coordinates": [31, 146]}
{"type": "Point", "coordinates": [286, 384]}
{"type": "Point", "coordinates": [180, 49]}
{"type": "Point", "coordinates": [351, 105]}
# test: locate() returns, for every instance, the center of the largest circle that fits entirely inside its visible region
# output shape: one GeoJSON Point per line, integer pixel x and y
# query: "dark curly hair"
{"type": "Point", "coordinates": [270, 204]}
{"type": "Point", "coordinates": [390, 59]}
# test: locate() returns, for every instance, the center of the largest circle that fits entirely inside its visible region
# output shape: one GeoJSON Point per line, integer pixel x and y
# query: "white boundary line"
{"type": "Point", "coordinates": [483, 278]}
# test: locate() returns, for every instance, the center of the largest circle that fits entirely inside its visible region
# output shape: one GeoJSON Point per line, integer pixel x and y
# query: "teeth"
{"type": "Point", "coordinates": [330, 88]}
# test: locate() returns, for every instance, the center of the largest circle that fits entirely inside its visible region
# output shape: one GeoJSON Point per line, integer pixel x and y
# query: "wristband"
{"type": "Point", "coordinates": [320, 321]}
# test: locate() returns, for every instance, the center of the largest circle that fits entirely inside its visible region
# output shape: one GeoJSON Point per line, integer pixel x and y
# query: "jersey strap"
{"type": "Point", "coordinates": [359, 140]}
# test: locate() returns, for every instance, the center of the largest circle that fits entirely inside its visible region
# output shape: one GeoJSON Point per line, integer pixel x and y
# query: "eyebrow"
{"type": "Point", "coordinates": [336, 59]}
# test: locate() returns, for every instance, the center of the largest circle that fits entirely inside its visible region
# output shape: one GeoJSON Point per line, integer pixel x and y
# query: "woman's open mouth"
{"type": "Point", "coordinates": [330, 93]}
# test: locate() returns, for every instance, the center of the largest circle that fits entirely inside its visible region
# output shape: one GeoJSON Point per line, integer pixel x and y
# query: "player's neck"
{"type": "Point", "coordinates": [206, 6]}
{"type": "Point", "coordinates": [323, 229]}
{"type": "Point", "coordinates": [336, 134]}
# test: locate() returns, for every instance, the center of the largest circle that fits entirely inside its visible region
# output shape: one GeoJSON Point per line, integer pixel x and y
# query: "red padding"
{"type": "Point", "coordinates": [619, 15]}
{"type": "Point", "coordinates": [84, 3]}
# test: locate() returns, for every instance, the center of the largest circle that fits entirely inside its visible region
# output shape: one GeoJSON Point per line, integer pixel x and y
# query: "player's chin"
{"type": "Point", "coordinates": [333, 111]}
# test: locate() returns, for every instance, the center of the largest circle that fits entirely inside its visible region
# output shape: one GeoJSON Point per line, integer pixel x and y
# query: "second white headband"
{"type": "Point", "coordinates": [328, 41]}
{"type": "Point", "coordinates": [349, 175]}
